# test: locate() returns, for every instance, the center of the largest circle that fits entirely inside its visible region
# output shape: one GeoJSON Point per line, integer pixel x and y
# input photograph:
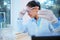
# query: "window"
{"type": "Point", "coordinates": [5, 13]}
{"type": "Point", "coordinates": [53, 5]}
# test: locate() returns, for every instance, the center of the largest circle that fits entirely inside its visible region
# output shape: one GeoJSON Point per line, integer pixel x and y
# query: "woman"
{"type": "Point", "coordinates": [33, 24]}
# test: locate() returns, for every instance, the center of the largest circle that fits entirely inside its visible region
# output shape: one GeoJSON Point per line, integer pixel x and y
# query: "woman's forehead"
{"type": "Point", "coordinates": [32, 7]}
{"type": "Point", "coordinates": [36, 7]}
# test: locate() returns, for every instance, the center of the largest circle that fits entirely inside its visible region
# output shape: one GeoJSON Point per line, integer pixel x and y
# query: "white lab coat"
{"type": "Point", "coordinates": [45, 28]}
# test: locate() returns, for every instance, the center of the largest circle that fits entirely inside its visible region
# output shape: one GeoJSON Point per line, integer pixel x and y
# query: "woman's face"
{"type": "Point", "coordinates": [33, 11]}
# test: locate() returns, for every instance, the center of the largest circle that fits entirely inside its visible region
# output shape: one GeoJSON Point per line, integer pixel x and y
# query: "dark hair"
{"type": "Point", "coordinates": [33, 4]}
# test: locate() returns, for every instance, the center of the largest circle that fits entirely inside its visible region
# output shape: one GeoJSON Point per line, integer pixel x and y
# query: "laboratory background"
{"type": "Point", "coordinates": [9, 10]}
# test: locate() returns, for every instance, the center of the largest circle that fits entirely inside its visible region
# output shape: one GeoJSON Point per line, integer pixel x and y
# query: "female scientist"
{"type": "Point", "coordinates": [33, 24]}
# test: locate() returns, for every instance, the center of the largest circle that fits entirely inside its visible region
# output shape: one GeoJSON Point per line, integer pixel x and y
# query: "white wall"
{"type": "Point", "coordinates": [16, 7]}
